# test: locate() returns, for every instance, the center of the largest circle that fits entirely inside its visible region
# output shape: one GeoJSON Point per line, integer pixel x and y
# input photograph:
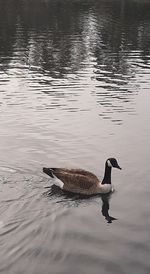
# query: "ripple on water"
{"type": "Point", "coordinates": [70, 71]}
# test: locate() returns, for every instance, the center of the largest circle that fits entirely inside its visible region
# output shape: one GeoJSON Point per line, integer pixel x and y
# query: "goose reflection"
{"type": "Point", "coordinates": [105, 207]}
{"type": "Point", "coordinates": [75, 199]}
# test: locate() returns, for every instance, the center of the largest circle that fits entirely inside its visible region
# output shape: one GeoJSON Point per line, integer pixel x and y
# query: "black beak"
{"type": "Point", "coordinates": [118, 167]}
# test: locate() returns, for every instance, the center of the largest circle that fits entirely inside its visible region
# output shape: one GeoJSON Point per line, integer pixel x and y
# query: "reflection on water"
{"type": "Point", "coordinates": [72, 199]}
{"type": "Point", "coordinates": [74, 90]}
{"type": "Point", "coordinates": [51, 46]}
{"type": "Point", "coordinates": [105, 208]}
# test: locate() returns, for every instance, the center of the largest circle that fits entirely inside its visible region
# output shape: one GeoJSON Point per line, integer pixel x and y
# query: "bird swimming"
{"type": "Point", "coordinates": [81, 181]}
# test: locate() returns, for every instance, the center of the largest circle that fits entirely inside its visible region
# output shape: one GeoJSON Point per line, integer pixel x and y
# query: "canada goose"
{"type": "Point", "coordinates": [81, 181]}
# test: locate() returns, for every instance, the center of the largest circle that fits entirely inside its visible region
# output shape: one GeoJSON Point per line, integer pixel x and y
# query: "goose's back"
{"type": "Point", "coordinates": [74, 171]}
{"type": "Point", "coordinates": [77, 180]}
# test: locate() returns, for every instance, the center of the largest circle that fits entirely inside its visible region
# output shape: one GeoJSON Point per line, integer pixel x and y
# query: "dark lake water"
{"type": "Point", "coordinates": [74, 90]}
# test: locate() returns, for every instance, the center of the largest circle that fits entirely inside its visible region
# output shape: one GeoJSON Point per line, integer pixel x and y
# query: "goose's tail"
{"type": "Point", "coordinates": [49, 171]}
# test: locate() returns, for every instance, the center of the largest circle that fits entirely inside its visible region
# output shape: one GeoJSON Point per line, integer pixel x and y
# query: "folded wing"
{"type": "Point", "coordinates": [76, 180]}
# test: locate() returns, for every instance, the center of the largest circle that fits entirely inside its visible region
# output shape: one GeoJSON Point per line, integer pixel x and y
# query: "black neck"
{"type": "Point", "coordinates": [107, 175]}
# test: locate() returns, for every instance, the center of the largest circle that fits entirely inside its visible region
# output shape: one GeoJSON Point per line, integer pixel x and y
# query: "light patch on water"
{"type": "Point", "coordinates": [1, 224]}
{"type": "Point", "coordinates": [8, 169]}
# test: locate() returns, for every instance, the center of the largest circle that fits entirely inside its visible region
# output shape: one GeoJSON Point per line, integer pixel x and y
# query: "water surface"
{"type": "Point", "coordinates": [74, 90]}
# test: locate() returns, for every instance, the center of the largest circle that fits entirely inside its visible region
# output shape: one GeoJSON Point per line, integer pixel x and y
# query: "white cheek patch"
{"type": "Point", "coordinates": [109, 163]}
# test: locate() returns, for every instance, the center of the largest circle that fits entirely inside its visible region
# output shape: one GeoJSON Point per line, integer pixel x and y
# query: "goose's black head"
{"type": "Point", "coordinates": [112, 162]}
